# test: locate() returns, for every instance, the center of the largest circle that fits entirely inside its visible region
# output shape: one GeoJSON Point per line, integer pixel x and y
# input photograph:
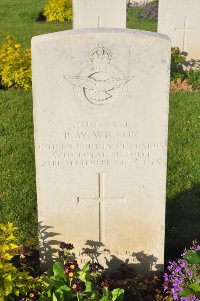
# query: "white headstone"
{"type": "Point", "coordinates": [101, 119]}
{"type": "Point", "coordinates": [99, 13]}
{"type": "Point", "coordinates": [138, 1]}
{"type": "Point", "coordinates": [180, 20]}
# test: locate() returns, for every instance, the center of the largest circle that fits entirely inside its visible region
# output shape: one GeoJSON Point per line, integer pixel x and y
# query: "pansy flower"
{"type": "Point", "coordinates": [78, 285]}
{"type": "Point", "coordinates": [32, 295]}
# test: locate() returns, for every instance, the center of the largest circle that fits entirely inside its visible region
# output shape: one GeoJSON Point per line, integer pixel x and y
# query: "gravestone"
{"type": "Point", "coordinates": [100, 121]}
{"type": "Point", "coordinates": [138, 1]}
{"type": "Point", "coordinates": [99, 13]}
{"type": "Point", "coordinates": [179, 19]}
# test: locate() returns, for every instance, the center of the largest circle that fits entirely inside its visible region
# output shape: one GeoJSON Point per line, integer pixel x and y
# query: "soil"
{"type": "Point", "coordinates": [180, 85]}
{"type": "Point", "coordinates": [28, 256]}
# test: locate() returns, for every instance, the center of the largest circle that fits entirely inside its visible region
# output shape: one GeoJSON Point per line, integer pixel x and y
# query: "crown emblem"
{"type": "Point", "coordinates": [100, 83]}
{"type": "Point", "coordinates": [101, 56]}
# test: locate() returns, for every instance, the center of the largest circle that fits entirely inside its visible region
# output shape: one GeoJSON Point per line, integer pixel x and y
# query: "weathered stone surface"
{"type": "Point", "coordinates": [99, 13]}
{"type": "Point", "coordinates": [101, 119]}
{"type": "Point", "coordinates": [179, 19]}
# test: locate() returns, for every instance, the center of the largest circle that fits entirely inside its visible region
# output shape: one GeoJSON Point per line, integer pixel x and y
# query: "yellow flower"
{"type": "Point", "coordinates": [71, 274]}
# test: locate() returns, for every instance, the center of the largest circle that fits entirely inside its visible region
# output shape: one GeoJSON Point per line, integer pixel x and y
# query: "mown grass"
{"type": "Point", "coordinates": [18, 192]}
{"type": "Point", "coordinates": [141, 24]}
{"type": "Point", "coordinates": [17, 173]}
{"type": "Point", "coordinates": [19, 18]}
{"type": "Point", "coordinates": [183, 177]}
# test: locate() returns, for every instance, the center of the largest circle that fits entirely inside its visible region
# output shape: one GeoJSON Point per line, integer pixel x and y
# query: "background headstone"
{"type": "Point", "coordinates": [101, 119]}
{"type": "Point", "coordinates": [138, 1]}
{"type": "Point", "coordinates": [99, 13]}
{"type": "Point", "coordinates": [180, 20]}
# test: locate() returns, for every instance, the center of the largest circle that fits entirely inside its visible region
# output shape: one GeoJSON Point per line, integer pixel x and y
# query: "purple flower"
{"type": "Point", "coordinates": [178, 269]}
{"type": "Point", "coordinates": [184, 299]}
{"type": "Point", "coordinates": [175, 296]}
{"type": "Point", "coordinates": [189, 273]}
{"type": "Point", "coordinates": [166, 278]}
{"type": "Point", "coordinates": [145, 10]}
{"type": "Point", "coordinates": [78, 285]}
{"type": "Point", "coordinates": [182, 264]}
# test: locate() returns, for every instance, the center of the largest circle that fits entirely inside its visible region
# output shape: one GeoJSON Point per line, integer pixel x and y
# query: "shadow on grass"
{"type": "Point", "coordinates": [182, 222]}
{"type": "Point", "coordinates": [41, 17]}
{"type": "Point", "coordinates": [2, 87]}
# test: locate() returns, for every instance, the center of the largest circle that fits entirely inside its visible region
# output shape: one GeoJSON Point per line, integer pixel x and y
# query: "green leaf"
{"type": "Point", "coordinates": [63, 288]}
{"type": "Point", "coordinates": [197, 294]}
{"type": "Point", "coordinates": [185, 293]}
{"type": "Point", "coordinates": [82, 276]}
{"type": "Point", "coordinates": [54, 297]}
{"type": "Point", "coordinates": [195, 287]}
{"type": "Point", "coordinates": [86, 267]}
{"type": "Point", "coordinates": [193, 256]}
{"type": "Point", "coordinates": [58, 282]}
{"type": "Point", "coordinates": [104, 299]}
{"type": "Point", "coordinates": [94, 296]}
{"type": "Point", "coordinates": [68, 295]}
{"type": "Point", "coordinates": [58, 270]}
{"type": "Point", "coordinates": [47, 280]}
{"type": "Point", "coordinates": [8, 284]}
{"type": "Point", "coordinates": [118, 294]}
{"type": "Point", "coordinates": [88, 285]}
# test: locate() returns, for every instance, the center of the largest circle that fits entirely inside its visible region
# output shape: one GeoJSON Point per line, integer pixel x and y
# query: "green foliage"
{"type": "Point", "coordinates": [177, 58]}
{"type": "Point", "coordinates": [182, 280]}
{"type": "Point", "coordinates": [15, 65]}
{"type": "Point", "coordinates": [17, 165]}
{"type": "Point", "coordinates": [146, 10]}
{"type": "Point", "coordinates": [192, 256]}
{"type": "Point", "coordinates": [58, 10]}
{"type": "Point", "coordinates": [13, 283]}
{"type": "Point", "coordinates": [193, 77]}
{"type": "Point", "coordinates": [18, 18]}
{"type": "Point", "coordinates": [177, 71]}
{"type": "Point", "coordinates": [70, 282]}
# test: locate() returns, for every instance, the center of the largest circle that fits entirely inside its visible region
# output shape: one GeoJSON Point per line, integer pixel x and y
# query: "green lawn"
{"type": "Point", "coordinates": [140, 23]}
{"type": "Point", "coordinates": [183, 177]}
{"type": "Point", "coordinates": [18, 192]}
{"type": "Point", "coordinates": [19, 18]}
{"type": "Point", "coordinates": [17, 195]}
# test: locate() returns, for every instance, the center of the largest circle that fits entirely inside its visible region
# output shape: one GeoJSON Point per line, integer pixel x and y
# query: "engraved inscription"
{"type": "Point", "coordinates": [106, 256]}
{"type": "Point", "coordinates": [100, 83]}
{"type": "Point", "coordinates": [100, 144]}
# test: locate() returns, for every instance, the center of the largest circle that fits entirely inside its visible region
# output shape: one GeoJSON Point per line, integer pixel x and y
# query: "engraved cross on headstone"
{"type": "Point", "coordinates": [99, 14]}
{"type": "Point", "coordinates": [101, 199]}
{"type": "Point", "coordinates": [99, 22]}
{"type": "Point", "coordinates": [185, 28]}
